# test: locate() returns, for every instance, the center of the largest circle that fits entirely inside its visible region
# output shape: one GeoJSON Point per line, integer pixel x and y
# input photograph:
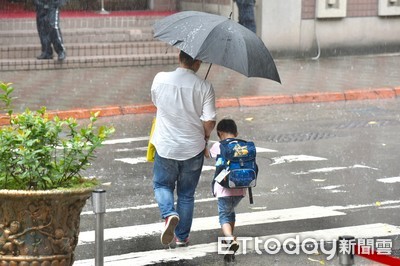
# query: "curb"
{"type": "Point", "coordinates": [377, 257]}
{"type": "Point", "coordinates": [246, 101]}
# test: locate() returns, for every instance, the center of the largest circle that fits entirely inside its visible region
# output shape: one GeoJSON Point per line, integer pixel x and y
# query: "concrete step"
{"type": "Point", "coordinates": [89, 62]}
{"type": "Point", "coordinates": [90, 49]}
{"type": "Point", "coordinates": [89, 41]}
{"type": "Point", "coordinates": [82, 22]}
{"type": "Point", "coordinates": [80, 35]}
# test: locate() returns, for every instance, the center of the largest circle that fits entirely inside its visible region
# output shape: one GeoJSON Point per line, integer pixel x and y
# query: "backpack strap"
{"type": "Point", "coordinates": [250, 195]}
{"type": "Point", "coordinates": [232, 139]}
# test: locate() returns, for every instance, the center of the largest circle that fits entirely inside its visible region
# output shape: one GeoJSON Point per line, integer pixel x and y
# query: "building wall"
{"type": "Point", "coordinates": [296, 27]}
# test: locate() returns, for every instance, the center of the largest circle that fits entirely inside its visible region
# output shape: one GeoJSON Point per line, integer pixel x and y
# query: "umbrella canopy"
{"type": "Point", "coordinates": [218, 40]}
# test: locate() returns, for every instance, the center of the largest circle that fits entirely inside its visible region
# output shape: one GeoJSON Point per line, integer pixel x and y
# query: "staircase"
{"type": "Point", "coordinates": [91, 40]}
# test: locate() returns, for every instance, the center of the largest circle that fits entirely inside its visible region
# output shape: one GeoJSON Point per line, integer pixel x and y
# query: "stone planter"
{"type": "Point", "coordinates": [40, 228]}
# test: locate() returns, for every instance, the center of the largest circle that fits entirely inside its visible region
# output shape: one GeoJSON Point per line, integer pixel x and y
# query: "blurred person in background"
{"type": "Point", "coordinates": [246, 14]}
{"type": "Point", "coordinates": [48, 26]}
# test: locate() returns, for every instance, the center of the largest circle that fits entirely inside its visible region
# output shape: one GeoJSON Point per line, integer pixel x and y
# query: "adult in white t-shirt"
{"type": "Point", "coordinates": [186, 115]}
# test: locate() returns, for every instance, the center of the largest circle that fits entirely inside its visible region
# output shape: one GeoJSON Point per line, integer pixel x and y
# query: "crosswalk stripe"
{"type": "Point", "coordinates": [141, 159]}
{"type": "Point", "coordinates": [332, 169]}
{"type": "Point", "coordinates": [132, 149]}
{"type": "Point", "coordinates": [124, 140]}
{"type": "Point", "coordinates": [210, 223]}
{"type": "Point", "coordinates": [359, 206]}
{"type": "Point", "coordinates": [260, 150]}
{"type": "Point", "coordinates": [335, 208]}
{"type": "Point", "coordinates": [208, 168]}
{"type": "Point", "coordinates": [163, 255]}
{"type": "Point", "coordinates": [146, 206]}
{"type": "Point", "coordinates": [358, 231]}
{"type": "Point", "coordinates": [295, 158]}
{"type": "Point", "coordinates": [389, 179]}
{"type": "Point", "coordinates": [133, 160]}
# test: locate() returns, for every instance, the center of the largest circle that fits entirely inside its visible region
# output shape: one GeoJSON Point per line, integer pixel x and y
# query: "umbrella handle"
{"type": "Point", "coordinates": [208, 71]}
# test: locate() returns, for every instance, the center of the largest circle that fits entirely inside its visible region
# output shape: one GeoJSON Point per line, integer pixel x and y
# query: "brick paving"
{"type": "Point", "coordinates": [303, 80]}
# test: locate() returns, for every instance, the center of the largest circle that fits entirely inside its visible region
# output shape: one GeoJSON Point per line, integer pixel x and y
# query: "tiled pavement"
{"type": "Point", "coordinates": [122, 89]}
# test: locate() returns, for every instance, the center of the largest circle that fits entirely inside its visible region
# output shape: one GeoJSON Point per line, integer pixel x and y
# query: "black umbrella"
{"type": "Point", "coordinates": [217, 40]}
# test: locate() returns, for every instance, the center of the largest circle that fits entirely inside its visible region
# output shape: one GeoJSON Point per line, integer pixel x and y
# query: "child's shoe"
{"type": "Point", "coordinates": [233, 246]}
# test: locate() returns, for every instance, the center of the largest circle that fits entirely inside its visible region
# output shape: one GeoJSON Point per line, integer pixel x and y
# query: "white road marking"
{"type": "Point", "coordinates": [133, 149]}
{"type": "Point", "coordinates": [359, 206]}
{"type": "Point", "coordinates": [146, 138]}
{"type": "Point", "coordinates": [125, 140]}
{"type": "Point", "coordinates": [163, 255]}
{"type": "Point", "coordinates": [208, 168]}
{"type": "Point", "coordinates": [389, 179]}
{"type": "Point", "coordinates": [209, 223]}
{"type": "Point", "coordinates": [136, 160]}
{"type": "Point", "coordinates": [260, 150]}
{"type": "Point", "coordinates": [390, 207]}
{"type": "Point", "coordinates": [330, 187]}
{"type": "Point", "coordinates": [295, 158]}
{"type": "Point", "coordinates": [141, 207]}
{"type": "Point", "coordinates": [335, 208]}
{"type": "Point", "coordinates": [333, 189]}
{"type": "Point", "coordinates": [154, 256]}
{"type": "Point", "coordinates": [363, 166]}
{"type": "Point", "coordinates": [332, 169]}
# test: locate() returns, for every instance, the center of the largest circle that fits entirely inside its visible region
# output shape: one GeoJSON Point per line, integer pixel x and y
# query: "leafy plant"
{"type": "Point", "coordinates": [39, 153]}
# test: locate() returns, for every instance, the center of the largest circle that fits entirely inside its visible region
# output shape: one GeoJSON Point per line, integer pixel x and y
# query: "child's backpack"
{"type": "Point", "coordinates": [236, 165]}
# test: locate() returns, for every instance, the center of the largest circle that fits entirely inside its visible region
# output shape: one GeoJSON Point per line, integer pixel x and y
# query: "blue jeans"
{"type": "Point", "coordinates": [184, 175]}
{"type": "Point", "coordinates": [226, 209]}
{"type": "Point", "coordinates": [246, 14]}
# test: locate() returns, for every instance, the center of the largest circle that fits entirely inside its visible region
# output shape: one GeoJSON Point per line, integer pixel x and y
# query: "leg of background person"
{"type": "Point", "coordinates": [246, 14]}
{"type": "Point", "coordinates": [165, 172]}
{"type": "Point", "coordinates": [55, 31]}
{"type": "Point", "coordinates": [186, 186]}
{"type": "Point", "coordinates": [43, 31]}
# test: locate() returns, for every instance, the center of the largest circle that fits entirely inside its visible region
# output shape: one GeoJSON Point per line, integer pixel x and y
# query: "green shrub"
{"type": "Point", "coordinates": [39, 153]}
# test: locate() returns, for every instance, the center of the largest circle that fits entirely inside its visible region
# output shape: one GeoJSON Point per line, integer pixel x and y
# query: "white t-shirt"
{"type": "Point", "coordinates": [183, 102]}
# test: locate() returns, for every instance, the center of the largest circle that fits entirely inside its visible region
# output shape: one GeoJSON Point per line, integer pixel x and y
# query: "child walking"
{"type": "Point", "coordinates": [228, 198]}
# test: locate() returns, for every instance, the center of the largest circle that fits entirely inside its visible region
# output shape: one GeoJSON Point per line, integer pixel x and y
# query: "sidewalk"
{"type": "Point", "coordinates": [126, 90]}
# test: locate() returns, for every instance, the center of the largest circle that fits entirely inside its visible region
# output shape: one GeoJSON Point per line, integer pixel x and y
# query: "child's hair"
{"type": "Point", "coordinates": [228, 126]}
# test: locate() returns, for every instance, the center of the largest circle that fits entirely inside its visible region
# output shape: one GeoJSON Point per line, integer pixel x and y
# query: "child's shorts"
{"type": "Point", "coordinates": [226, 209]}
